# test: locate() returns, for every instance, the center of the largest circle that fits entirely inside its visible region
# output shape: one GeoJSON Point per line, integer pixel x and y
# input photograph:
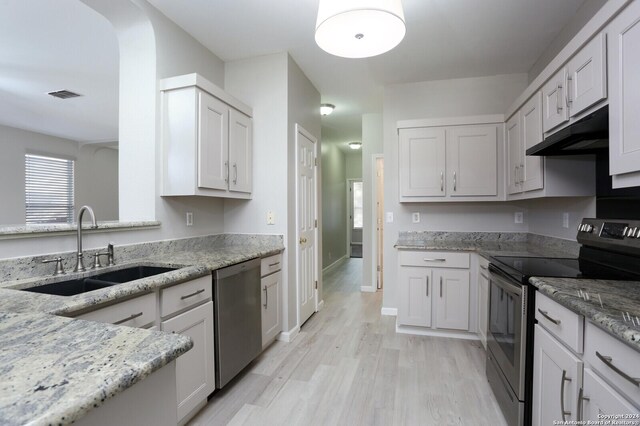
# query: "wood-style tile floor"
{"type": "Point", "coordinates": [349, 367]}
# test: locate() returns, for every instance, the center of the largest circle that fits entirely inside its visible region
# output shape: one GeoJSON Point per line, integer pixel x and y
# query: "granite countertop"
{"type": "Point", "coordinates": [616, 310]}
{"type": "Point", "coordinates": [53, 370]}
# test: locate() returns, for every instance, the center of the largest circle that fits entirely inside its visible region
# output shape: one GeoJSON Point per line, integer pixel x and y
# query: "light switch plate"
{"type": "Point", "coordinates": [415, 217]}
{"type": "Point", "coordinates": [189, 218]}
{"type": "Point", "coordinates": [518, 217]}
{"type": "Point", "coordinates": [565, 220]}
{"type": "Point", "coordinates": [389, 217]}
{"type": "Point", "coordinates": [271, 218]}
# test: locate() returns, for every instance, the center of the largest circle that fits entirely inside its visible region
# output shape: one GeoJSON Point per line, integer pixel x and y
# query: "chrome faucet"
{"type": "Point", "coordinates": [79, 264]}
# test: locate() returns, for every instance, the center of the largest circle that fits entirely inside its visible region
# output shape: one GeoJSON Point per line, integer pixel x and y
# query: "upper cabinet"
{"type": "Point", "coordinates": [450, 163]}
{"type": "Point", "coordinates": [553, 95]}
{"type": "Point", "coordinates": [524, 129]}
{"type": "Point", "coordinates": [206, 140]}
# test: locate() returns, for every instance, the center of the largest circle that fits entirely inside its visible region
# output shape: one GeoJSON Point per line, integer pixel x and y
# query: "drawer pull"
{"type": "Point", "coordinates": [546, 315]}
{"type": "Point", "coordinates": [607, 360]}
{"type": "Point", "coordinates": [266, 297]}
{"type": "Point", "coordinates": [562, 382]}
{"type": "Point", "coordinates": [431, 259]}
{"type": "Point", "coordinates": [195, 293]}
{"type": "Point", "coordinates": [484, 267]}
{"type": "Point", "coordinates": [134, 316]}
{"type": "Point", "coordinates": [271, 265]}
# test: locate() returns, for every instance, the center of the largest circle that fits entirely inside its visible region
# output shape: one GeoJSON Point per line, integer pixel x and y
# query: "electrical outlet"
{"type": "Point", "coordinates": [389, 217]}
{"type": "Point", "coordinates": [189, 218]}
{"type": "Point", "coordinates": [415, 217]}
{"type": "Point", "coordinates": [565, 220]}
{"type": "Point", "coordinates": [271, 218]}
{"type": "Point", "coordinates": [518, 217]}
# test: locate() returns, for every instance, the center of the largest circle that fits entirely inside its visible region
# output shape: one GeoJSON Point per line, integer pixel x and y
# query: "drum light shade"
{"type": "Point", "coordinates": [359, 28]}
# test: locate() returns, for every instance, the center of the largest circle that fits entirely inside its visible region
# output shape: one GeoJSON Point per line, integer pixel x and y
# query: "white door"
{"type": "Point", "coordinates": [415, 289]}
{"type": "Point", "coordinates": [587, 76]}
{"type": "Point", "coordinates": [624, 91]}
{"type": "Point", "coordinates": [306, 222]}
{"type": "Point", "coordinates": [452, 298]}
{"type": "Point", "coordinates": [472, 160]}
{"type": "Point", "coordinates": [600, 399]}
{"type": "Point", "coordinates": [422, 162]}
{"type": "Point", "coordinates": [554, 110]}
{"type": "Point", "coordinates": [213, 143]}
{"type": "Point", "coordinates": [514, 154]}
{"type": "Point", "coordinates": [240, 152]}
{"type": "Point", "coordinates": [531, 167]}
{"type": "Point", "coordinates": [379, 217]}
{"type": "Point", "coordinates": [557, 377]}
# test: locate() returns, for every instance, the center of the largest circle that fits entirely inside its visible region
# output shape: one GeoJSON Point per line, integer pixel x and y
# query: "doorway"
{"type": "Point", "coordinates": [355, 215]}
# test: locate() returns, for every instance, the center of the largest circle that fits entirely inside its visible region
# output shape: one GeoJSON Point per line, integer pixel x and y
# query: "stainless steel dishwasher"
{"type": "Point", "coordinates": [238, 320]}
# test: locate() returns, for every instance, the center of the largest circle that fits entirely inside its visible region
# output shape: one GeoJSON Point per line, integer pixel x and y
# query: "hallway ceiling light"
{"type": "Point", "coordinates": [326, 109]}
{"type": "Point", "coordinates": [355, 145]}
{"type": "Point", "coordinates": [359, 28]}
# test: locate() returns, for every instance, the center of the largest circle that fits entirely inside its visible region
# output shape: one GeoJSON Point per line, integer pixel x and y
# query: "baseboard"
{"type": "Point", "coordinates": [392, 312]}
{"type": "Point", "coordinates": [320, 306]}
{"type": "Point", "coordinates": [420, 331]}
{"type": "Point", "coordinates": [367, 289]}
{"type": "Point", "coordinates": [334, 264]}
{"type": "Point", "coordinates": [288, 336]}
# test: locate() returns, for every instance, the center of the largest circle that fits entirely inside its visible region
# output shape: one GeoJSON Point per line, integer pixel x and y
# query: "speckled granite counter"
{"type": "Point", "coordinates": [53, 370]}
{"type": "Point", "coordinates": [617, 297]}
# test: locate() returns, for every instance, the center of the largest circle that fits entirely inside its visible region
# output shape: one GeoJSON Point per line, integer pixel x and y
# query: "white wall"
{"type": "Point", "coordinates": [545, 215]}
{"type": "Point", "coordinates": [433, 99]}
{"type": "Point", "coordinates": [372, 145]}
{"type": "Point", "coordinates": [334, 204]}
{"type": "Point", "coordinates": [353, 164]}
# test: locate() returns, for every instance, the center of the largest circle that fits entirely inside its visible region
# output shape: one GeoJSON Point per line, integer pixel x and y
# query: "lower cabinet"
{"type": "Point", "coordinates": [452, 299]}
{"type": "Point", "coordinates": [195, 369]}
{"type": "Point", "coordinates": [415, 296]}
{"type": "Point", "coordinates": [598, 399]}
{"type": "Point", "coordinates": [271, 316]}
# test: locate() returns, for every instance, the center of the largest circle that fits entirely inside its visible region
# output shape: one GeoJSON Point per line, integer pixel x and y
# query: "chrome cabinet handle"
{"type": "Point", "coordinates": [431, 259]}
{"type": "Point", "coordinates": [441, 287]}
{"type": "Point", "coordinates": [516, 178]}
{"type": "Point", "coordinates": [427, 286]}
{"type": "Point", "coordinates": [568, 92]}
{"type": "Point", "coordinates": [235, 173]}
{"type": "Point", "coordinates": [558, 103]}
{"type": "Point", "coordinates": [195, 293]}
{"type": "Point", "coordinates": [521, 173]}
{"type": "Point", "coordinates": [455, 182]}
{"type": "Point", "coordinates": [226, 166]}
{"type": "Point", "coordinates": [562, 382]}
{"type": "Point", "coordinates": [546, 315]}
{"type": "Point", "coordinates": [134, 316]}
{"type": "Point", "coordinates": [266, 297]}
{"type": "Point", "coordinates": [441, 181]}
{"type": "Point", "coordinates": [271, 265]}
{"type": "Point", "coordinates": [581, 398]}
{"type": "Point", "coordinates": [484, 267]}
{"type": "Point", "coordinates": [607, 360]}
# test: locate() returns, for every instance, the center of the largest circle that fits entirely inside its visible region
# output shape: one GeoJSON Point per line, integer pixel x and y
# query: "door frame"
{"type": "Point", "coordinates": [378, 250]}
{"type": "Point", "coordinates": [301, 130]}
{"type": "Point", "coordinates": [349, 213]}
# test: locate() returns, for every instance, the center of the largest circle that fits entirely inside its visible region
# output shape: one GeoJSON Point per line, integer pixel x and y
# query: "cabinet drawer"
{"type": "Point", "coordinates": [567, 326]}
{"type": "Point", "coordinates": [181, 296]}
{"type": "Point", "coordinates": [271, 264]}
{"type": "Point", "coordinates": [437, 259]}
{"type": "Point", "coordinates": [137, 312]}
{"type": "Point", "coordinates": [614, 360]}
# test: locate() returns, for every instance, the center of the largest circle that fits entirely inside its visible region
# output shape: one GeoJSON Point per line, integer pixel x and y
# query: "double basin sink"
{"type": "Point", "coordinates": [99, 281]}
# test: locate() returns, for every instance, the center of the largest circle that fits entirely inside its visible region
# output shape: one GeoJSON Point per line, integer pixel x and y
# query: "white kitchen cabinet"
{"type": "Point", "coordinates": [524, 130]}
{"type": "Point", "coordinates": [195, 369]}
{"type": "Point", "coordinates": [483, 298]}
{"type": "Point", "coordinates": [587, 76]}
{"type": "Point", "coordinates": [139, 312]}
{"type": "Point", "coordinates": [513, 136]}
{"type": "Point", "coordinates": [415, 292]}
{"type": "Point", "coordinates": [450, 163]}
{"type": "Point", "coordinates": [624, 93]}
{"type": "Point", "coordinates": [599, 400]}
{"type": "Point", "coordinates": [554, 110]}
{"type": "Point", "coordinates": [271, 315]}
{"type": "Point", "coordinates": [452, 300]}
{"type": "Point", "coordinates": [557, 379]}
{"type": "Point", "coordinates": [206, 140]}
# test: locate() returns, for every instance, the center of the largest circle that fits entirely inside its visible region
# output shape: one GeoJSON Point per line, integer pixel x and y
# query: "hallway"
{"type": "Point", "coordinates": [348, 366]}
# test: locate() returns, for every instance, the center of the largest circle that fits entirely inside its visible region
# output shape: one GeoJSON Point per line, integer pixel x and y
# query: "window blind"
{"type": "Point", "coordinates": [49, 188]}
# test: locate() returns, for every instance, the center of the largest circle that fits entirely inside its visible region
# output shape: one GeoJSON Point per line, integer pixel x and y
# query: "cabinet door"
{"type": "Point", "coordinates": [587, 76]}
{"type": "Point", "coordinates": [483, 304]}
{"type": "Point", "coordinates": [554, 110]}
{"type": "Point", "coordinates": [240, 152]}
{"type": "Point", "coordinates": [213, 139]}
{"type": "Point", "coordinates": [532, 172]}
{"type": "Point", "coordinates": [422, 162]}
{"type": "Point", "coordinates": [472, 160]}
{"type": "Point", "coordinates": [271, 316]}
{"type": "Point", "coordinates": [195, 369]}
{"type": "Point", "coordinates": [514, 154]}
{"type": "Point", "coordinates": [624, 91]}
{"type": "Point", "coordinates": [415, 288]}
{"type": "Point", "coordinates": [557, 377]}
{"type": "Point", "coordinates": [600, 399]}
{"type": "Point", "coordinates": [452, 298]}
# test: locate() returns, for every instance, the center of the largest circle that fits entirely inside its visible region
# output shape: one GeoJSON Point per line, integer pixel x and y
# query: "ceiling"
{"type": "Point", "coordinates": [52, 44]}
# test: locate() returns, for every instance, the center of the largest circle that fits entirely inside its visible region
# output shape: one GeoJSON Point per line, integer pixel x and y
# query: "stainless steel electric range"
{"type": "Point", "coordinates": [610, 249]}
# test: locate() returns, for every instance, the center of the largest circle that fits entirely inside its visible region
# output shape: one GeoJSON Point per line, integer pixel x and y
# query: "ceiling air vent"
{"type": "Point", "coordinates": [63, 94]}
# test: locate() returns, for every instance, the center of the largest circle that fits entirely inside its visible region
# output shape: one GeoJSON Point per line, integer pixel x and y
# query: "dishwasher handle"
{"type": "Point", "coordinates": [236, 269]}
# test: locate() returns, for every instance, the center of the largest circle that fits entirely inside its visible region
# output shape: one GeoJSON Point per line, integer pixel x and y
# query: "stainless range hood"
{"type": "Point", "coordinates": [588, 135]}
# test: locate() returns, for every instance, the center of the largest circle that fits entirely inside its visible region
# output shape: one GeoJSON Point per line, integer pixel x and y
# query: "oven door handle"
{"type": "Point", "coordinates": [504, 281]}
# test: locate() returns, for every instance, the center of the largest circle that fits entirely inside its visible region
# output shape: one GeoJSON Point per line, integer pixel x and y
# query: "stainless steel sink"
{"type": "Point", "coordinates": [99, 281]}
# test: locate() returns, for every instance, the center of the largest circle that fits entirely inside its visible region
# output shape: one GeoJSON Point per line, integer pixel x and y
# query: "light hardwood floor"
{"type": "Point", "coordinates": [349, 367]}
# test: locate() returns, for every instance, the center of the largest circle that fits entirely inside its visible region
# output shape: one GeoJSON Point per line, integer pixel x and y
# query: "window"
{"type": "Point", "coordinates": [48, 189]}
{"type": "Point", "coordinates": [357, 205]}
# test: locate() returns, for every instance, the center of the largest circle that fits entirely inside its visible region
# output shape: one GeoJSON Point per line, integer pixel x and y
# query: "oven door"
{"type": "Point", "coordinates": [506, 336]}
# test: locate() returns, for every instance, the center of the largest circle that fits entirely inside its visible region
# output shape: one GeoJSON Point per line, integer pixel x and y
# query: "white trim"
{"type": "Point", "coordinates": [320, 306]}
{"type": "Point", "coordinates": [421, 331]}
{"type": "Point", "coordinates": [608, 11]}
{"type": "Point", "coordinates": [451, 121]}
{"type": "Point", "coordinates": [289, 336]}
{"type": "Point", "coordinates": [391, 312]}
{"type": "Point", "coordinates": [367, 289]}
{"type": "Point", "coordinates": [374, 223]}
{"type": "Point", "coordinates": [334, 264]}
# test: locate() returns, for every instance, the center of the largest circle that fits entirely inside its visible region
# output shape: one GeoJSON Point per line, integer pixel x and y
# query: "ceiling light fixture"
{"type": "Point", "coordinates": [326, 109]}
{"type": "Point", "coordinates": [355, 145]}
{"type": "Point", "coordinates": [359, 28]}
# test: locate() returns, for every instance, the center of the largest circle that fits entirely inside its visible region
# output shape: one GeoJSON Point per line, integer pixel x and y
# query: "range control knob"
{"type": "Point", "coordinates": [588, 228]}
{"type": "Point", "coordinates": [632, 232]}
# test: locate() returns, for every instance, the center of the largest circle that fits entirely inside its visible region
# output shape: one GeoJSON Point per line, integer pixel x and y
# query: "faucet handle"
{"type": "Point", "coordinates": [59, 267]}
{"type": "Point", "coordinates": [96, 260]}
{"type": "Point", "coordinates": [110, 261]}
